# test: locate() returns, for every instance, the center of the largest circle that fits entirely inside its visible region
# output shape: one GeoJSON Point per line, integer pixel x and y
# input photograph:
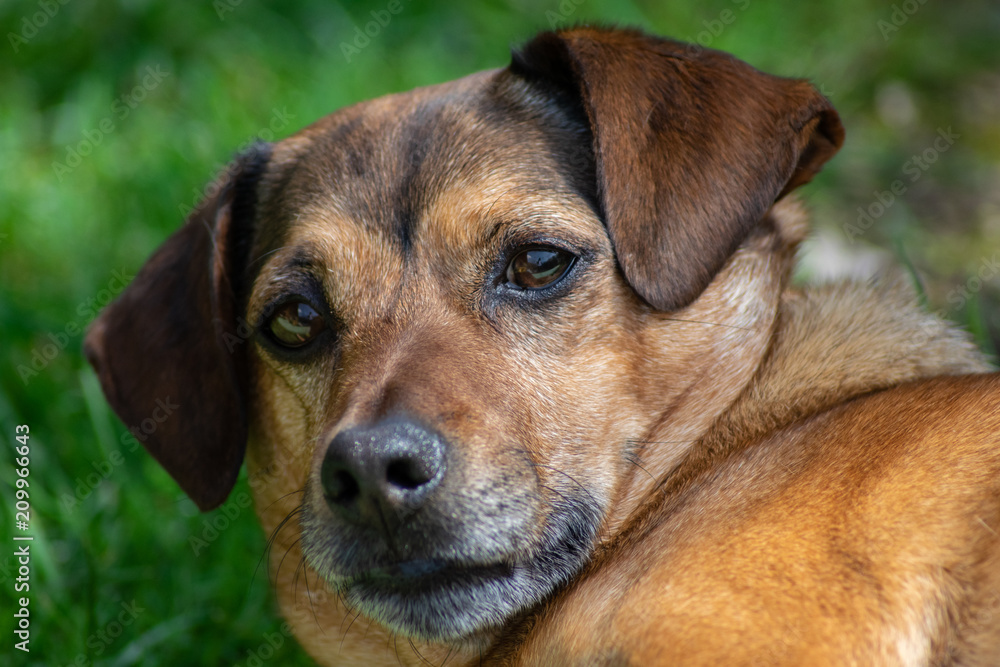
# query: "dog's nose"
{"type": "Point", "coordinates": [378, 475]}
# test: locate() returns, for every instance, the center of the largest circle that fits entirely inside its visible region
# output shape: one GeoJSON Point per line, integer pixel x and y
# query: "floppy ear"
{"type": "Point", "coordinates": [160, 350]}
{"type": "Point", "coordinates": [692, 147]}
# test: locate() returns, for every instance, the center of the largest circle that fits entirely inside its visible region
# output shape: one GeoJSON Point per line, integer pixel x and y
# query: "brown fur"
{"type": "Point", "coordinates": [668, 456]}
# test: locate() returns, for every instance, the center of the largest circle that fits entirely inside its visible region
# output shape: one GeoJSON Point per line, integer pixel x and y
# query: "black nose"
{"type": "Point", "coordinates": [380, 474]}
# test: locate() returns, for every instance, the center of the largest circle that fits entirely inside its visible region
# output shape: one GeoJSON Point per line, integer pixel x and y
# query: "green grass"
{"type": "Point", "coordinates": [275, 67]}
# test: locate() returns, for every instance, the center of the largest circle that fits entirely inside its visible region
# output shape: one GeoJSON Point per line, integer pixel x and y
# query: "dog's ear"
{"type": "Point", "coordinates": [167, 351]}
{"type": "Point", "coordinates": [692, 147]}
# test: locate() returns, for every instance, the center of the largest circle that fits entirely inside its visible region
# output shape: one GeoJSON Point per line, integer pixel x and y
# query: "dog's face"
{"type": "Point", "coordinates": [466, 329]}
{"type": "Point", "coordinates": [443, 317]}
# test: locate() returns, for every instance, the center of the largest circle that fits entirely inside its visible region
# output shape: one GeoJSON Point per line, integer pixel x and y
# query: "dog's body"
{"type": "Point", "coordinates": [524, 382]}
{"type": "Point", "coordinates": [822, 520]}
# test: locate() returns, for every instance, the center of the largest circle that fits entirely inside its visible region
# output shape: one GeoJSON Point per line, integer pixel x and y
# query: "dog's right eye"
{"type": "Point", "coordinates": [295, 324]}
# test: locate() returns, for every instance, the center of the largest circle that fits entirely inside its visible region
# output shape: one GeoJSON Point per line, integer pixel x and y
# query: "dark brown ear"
{"type": "Point", "coordinates": [164, 350]}
{"type": "Point", "coordinates": [692, 147]}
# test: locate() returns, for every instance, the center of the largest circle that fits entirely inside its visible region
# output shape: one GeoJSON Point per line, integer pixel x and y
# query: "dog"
{"type": "Point", "coordinates": [520, 379]}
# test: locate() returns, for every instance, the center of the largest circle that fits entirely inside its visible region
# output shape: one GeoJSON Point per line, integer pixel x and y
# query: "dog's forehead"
{"type": "Point", "coordinates": [380, 163]}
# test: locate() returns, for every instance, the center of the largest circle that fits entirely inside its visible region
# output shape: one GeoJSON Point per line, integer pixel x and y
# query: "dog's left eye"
{"type": "Point", "coordinates": [295, 324]}
{"type": "Point", "coordinates": [535, 268]}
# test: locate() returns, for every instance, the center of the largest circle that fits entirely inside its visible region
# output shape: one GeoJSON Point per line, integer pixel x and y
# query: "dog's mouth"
{"type": "Point", "coordinates": [413, 576]}
{"type": "Point", "coordinates": [443, 599]}
{"type": "Point", "coordinates": [440, 592]}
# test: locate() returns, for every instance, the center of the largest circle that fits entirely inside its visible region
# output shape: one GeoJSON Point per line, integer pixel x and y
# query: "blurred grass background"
{"type": "Point", "coordinates": [160, 95]}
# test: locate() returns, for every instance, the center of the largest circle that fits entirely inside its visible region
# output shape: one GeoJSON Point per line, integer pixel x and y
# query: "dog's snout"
{"type": "Point", "coordinates": [381, 473]}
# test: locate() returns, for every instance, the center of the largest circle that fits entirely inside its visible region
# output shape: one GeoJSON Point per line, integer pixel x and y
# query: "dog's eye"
{"type": "Point", "coordinates": [536, 268]}
{"type": "Point", "coordinates": [296, 323]}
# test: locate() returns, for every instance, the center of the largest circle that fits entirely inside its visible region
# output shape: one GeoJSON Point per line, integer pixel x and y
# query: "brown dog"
{"type": "Point", "coordinates": [523, 381]}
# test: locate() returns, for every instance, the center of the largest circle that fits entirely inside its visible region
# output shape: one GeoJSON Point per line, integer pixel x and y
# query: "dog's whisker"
{"type": "Point", "coordinates": [280, 498]}
{"type": "Point", "coordinates": [267, 254]}
{"type": "Point", "coordinates": [277, 571]}
{"type": "Point", "coordinates": [447, 656]}
{"type": "Point", "coordinates": [295, 579]}
{"type": "Point", "coordinates": [634, 460]}
{"type": "Point", "coordinates": [395, 648]}
{"type": "Point", "coordinates": [498, 198]}
{"type": "Point", "coordinates": [312, 607]}
{"type": "Point", "coordinates": [342, 596]}
{"type": "Point", "coordinates": [413, 647]}
{"type": "Point", "coordinates": [571, 478]}
{"type": "Point", "coordinates": [299, 567]}
{"type": "Point", "coordinates": [268, 545]}
{"type": "Point", "coordinates": [665, 442]}
{"type": "Point", "coordinates": [349, 626]}
{"type": "Point", "coordinates": [303, 566]}
{"type": "Point", "coordinates": [390, 541]}
{"type": "Point", "coordinates": [711, 324]}
{"type": "Point", "coordinates": [274, 534]}
{"type": "Point", "coordinates": [558, 493]}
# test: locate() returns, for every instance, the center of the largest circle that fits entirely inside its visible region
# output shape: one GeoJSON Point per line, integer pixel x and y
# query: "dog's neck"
{"type": "Point", "coordinates": [830, 344]}
{"type": "Point", "coordinates": [812, 349]}
{"type": "Point", "coordinates": [839, 341]}
{"type": "Point", "coordinates": [700, 359]}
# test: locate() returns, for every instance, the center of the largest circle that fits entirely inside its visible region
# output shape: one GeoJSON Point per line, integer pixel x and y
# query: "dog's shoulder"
{"type": "Point", "coordinates": [889, 504]}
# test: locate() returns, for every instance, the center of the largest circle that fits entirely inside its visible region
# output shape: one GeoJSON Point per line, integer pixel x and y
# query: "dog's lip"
{"type": "Point", "coordinates": [430, 573]}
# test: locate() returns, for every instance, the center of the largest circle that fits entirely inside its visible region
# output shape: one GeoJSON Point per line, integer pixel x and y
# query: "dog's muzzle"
{"type": "Point", "coordinates": [411, 534]}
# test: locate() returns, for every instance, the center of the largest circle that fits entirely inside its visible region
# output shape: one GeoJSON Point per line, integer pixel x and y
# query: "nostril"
{"type": "Point", "coordinates": [339, 485]}
{"type": "Point", "coordinates": [407, 473]}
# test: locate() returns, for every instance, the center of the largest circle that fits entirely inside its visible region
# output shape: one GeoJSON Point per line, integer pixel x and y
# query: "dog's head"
{"type": "Point", "coordinates": [471, 326]}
